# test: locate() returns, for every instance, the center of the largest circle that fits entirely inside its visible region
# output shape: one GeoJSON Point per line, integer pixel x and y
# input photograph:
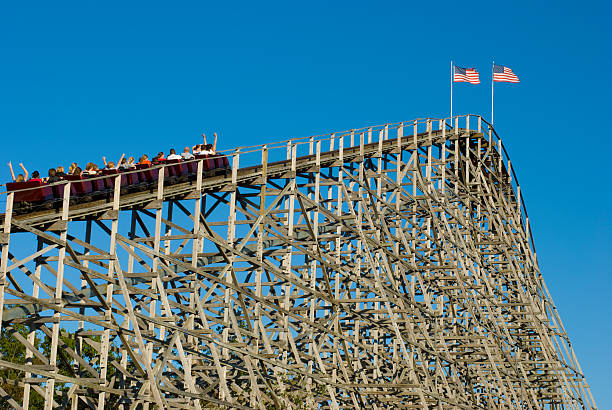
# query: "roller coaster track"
{"type": "Point", "coordinates": [387, 267]}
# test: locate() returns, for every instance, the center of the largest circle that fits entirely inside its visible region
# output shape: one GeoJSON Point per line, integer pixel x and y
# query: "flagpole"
{"type": "Point", "coordinates": [492, 90]}
{"type": "Point", "coordinates": [451, 111]}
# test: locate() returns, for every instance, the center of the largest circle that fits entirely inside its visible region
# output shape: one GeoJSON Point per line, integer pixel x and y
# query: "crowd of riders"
{"type": "Point", "coordinates": [124, 164]}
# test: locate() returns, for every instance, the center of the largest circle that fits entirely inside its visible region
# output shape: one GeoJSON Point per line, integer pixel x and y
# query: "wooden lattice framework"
{"type": "Point", "coordinates": [384, 267]}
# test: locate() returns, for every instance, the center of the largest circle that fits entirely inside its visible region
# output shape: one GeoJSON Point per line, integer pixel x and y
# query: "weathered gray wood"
{"type": "Point", "coordinates": [398, 271]}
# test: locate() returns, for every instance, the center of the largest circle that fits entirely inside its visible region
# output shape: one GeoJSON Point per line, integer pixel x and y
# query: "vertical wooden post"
{"type": "Point", "coordinates": [467, 159]}
{"type": "Point", "coordinates": [32, 335]}
{"type": "Point", "coordinates": [196, 221]}
{"type": "Point", "coordinates": [416, 164]}
{"type": "Point", "coordinates": [235, 165]}
{"type": "Point", "coordinates": [262, 206]}
{"type": "Point", "coordinates": [126, 321]}
{"type": "Point", "coordinates": [59, 286]}
{"type": "Point", "coordinates": [518, 202]}
{"type": "Point", "coordinates": [159, 205]}
{"type": "Point", "coordinates": [359, 224]}
{"type": "Point", "coordinates": [330, 188]}
{"type": "Point", "coordinates": [105, 345]}
{"type": "Point", "coordinates": [231, 238]}
{"type": "Point", "coordinates": [509, 171]}
{"type": "Point", "coordinates": [258, 325]}
{"type": "Point", "coordinates": [196, 246]}
{"type": "Point", "coordinates": [338, 251]}
{"type": "Point", "coordinates": [501, 156]}
{"type": "Point", "coordinates": [429, 153]}
{"type": "Point", "coordinates": [456, 154]}
{"type": "Point", "coordinates": [398, 181]}
{"type": "Point", "coordinates": [287, 258]}
{"type": "Point", "coordinates": [5, 241]}
{"type": "Point", "coordinates": [313, 264]}
{"type": "Point", "coordinates": [340, 152]}
{"type": "Point", "coordinates": [398, 171]}
{"type": "Point", "coordinates": [443, 161]}
{"type": "Point", "coordinates": [361, 146]}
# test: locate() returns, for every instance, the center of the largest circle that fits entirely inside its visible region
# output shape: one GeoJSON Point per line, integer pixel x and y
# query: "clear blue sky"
{"type": "Point", "coordinates": [79, 80]}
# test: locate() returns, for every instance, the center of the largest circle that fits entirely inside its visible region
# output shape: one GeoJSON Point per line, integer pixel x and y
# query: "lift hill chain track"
{"type": "Point", "coordinates": [384, 267]}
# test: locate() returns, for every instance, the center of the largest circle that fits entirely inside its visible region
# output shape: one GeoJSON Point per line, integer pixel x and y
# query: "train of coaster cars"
{"type": "Point", "coordinates": [37, 195]}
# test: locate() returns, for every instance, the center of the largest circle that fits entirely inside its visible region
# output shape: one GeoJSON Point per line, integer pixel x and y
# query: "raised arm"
{"type": "Point", "coordinates": [204, 136]}
{"type": "Point", "coordinates": [215, 144]}
{"type": "Point", "coordinates": [119, 162]}
{"type": "Point", "coordinates": [25, 172]}
{"type": "Point", "coordinates": [10, 165]}
{"type": "Point", "coordinates": [104, 159]}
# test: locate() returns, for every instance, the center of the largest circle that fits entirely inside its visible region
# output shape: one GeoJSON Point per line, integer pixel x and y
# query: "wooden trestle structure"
{"type": "Point", "coordinates": [384, 267]}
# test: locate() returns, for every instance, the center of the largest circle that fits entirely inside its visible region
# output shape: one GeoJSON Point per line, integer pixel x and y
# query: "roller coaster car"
{"type": "Point", "coordinates": [213, 165]}
{"type": "Point", "coordinates": [78, 186]}
{"type": "Point", "coordinates": [30, 191]}
{"type": "Point", "coordinates": [36, 195]}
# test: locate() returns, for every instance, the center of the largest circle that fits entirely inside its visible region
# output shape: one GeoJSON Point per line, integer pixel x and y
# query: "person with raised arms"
{"type": "Point", "coordinates": [111, 165]}
{"type": "Point", "coordinates": [209, 149]}
{"type": "Point", "coordinates": [20, 177]}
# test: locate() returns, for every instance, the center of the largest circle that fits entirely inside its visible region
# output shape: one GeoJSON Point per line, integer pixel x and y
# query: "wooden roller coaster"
{"type": "Point", "coordinates": [386, 267]}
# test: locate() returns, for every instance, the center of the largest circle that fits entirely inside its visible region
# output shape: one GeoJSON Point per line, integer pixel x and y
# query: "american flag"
{"type": "Point", "coordinates": [465, 75]}
{"type": "Point", "coordinates": [504, 74]}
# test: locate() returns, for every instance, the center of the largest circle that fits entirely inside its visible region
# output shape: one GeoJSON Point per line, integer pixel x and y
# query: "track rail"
{"type": "Point", "coordinates": [424, 132]}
